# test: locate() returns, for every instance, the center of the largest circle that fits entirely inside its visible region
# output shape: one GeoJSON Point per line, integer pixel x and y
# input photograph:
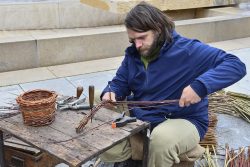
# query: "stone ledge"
{"type": "Point", "coordinates": [39, 48]}
{"type": "Point", "coordinates": [123, 6]}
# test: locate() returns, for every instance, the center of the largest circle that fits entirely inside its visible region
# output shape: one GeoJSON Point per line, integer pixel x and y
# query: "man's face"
{"type": "Point", "coordinates": [145, 42]}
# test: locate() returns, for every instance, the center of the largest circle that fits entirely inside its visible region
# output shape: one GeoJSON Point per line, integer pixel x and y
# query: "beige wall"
{"type": "Point", "coordinates": [123, 6]}
{"type": "Point", "coordinates": [54, 14]}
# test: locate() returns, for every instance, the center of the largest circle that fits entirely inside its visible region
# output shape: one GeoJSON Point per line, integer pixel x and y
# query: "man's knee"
{"type": "Point", "coordinates": [118, 153]}
{"type": "Point", "coordinates": [161, 140]}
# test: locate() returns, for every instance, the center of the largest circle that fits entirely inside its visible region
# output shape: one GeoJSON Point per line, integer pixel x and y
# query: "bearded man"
{"type": "Point", "coordinates": [160, 64]}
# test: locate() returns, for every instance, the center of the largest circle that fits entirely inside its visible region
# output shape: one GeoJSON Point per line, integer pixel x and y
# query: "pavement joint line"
{"type": "Point", "coordinates": [51, 72]}
{"type": "Point", "coordinates": [66, 78]}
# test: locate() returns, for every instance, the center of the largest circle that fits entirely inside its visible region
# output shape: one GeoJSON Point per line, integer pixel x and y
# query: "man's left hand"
{"type": "Point", "coordinates": [189, 96]}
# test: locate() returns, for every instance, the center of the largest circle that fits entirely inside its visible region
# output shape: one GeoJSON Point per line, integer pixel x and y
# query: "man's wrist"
{"type": "Point", "coordinates": [199, 88]}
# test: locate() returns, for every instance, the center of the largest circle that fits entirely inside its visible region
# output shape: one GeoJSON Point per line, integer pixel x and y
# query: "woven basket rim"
{"type": "Point", "coordinates": [20, 99]}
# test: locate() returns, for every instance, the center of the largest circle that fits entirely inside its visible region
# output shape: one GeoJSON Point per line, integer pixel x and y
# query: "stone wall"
{"type": "Point", "coordinates": [53, 14]}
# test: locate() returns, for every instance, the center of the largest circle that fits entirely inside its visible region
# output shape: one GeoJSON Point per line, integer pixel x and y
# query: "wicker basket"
{"type": "Point", "coordinates": [37, 107]}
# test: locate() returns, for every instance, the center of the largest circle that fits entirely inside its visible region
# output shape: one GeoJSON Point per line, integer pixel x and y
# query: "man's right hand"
{"type": "Point", "coordinates": [109, 96]}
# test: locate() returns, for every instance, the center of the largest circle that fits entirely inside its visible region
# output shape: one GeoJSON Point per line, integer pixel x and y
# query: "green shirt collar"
{"type": "Point", "coordinates": [153, 56]}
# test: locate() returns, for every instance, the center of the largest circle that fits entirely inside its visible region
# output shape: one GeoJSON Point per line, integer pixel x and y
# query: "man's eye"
{"type": "Point", "coordinates": [141, 38]}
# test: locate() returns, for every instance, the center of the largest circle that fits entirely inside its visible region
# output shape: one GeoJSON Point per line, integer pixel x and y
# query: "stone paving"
{"type": "Point", "coordinates": [231, 130]}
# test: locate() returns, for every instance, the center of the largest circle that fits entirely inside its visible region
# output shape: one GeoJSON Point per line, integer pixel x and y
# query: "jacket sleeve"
{"type": "Point", "coordinates": [119, 84]}
{"type": "Point", "coordinates": [216, 68]}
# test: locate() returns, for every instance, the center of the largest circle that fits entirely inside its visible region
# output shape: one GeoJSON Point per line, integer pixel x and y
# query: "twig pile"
{"type": "Point", "coordinates": [209, 159]}
{"type": "Point", "coordinates": [233, 158]}
{"type": "Point", "coordinates": [235, 104]}
{"type": "Point", "coordinates": [231, 103]}
{"type": "Point", "coordinates": [240, 158]}
{"type": "Point", "coordinates": [210, 139]}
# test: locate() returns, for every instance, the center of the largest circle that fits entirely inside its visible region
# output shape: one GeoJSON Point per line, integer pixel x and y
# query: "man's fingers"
{"type": "Point", "coordinates": [188, 97]}
{"type": "Point", "coordinates": [182, 102]}
{"type": "Point", "coordinates": [187, 103]}
{"type": "Point", "coordinates": [109, 96]}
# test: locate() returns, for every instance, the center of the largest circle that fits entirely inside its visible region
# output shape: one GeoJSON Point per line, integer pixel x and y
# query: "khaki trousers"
{"type": "Point", "coordinates": [168, 141]}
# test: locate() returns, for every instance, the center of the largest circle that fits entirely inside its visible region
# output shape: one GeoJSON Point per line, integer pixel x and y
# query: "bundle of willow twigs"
{"type": "Point", "coordinates": [208, 159]}
{"type": "Point", "coordinates": [235, 104]}
{"type": "Point", "coordinates": [231, 103]}
{"type": "Point", "coordinates": [212, 119]}
{"type": "Point", "coordinates": [210, 139]}
{"type": "Point", "coordinates": [233, 158]}
{"type": "Point", "coordinates": [240, 158]}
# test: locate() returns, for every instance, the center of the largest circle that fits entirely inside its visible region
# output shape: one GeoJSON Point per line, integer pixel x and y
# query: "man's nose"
{"type": "Point", "coordinates": [138, 44]}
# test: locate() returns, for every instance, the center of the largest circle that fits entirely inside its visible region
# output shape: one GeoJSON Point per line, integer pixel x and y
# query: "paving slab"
{"type": "Point", "coordinates": [60, 85]}
{"type": "Point", "coordinates": [9, 94]}
{"type": "Point", "coordinates": [22, 76]}
{"type": "Point", "coordinates": [242, 86]}
{"type": "Point", "coordinates": [232, 130]}
{"type": "Point", "coordinates": [234, 44]}
{"type": "Point", "coordinates": [99, 80]}
{"type": "Point", "coordinates": [86, 67]}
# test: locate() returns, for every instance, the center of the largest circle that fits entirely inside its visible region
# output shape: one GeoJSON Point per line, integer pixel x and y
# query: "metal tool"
{"type": "Point", "coordinates": [122, 120]}
{"type": "Point", "coordinates": [79, 104]}
{"type": "Point", "coordinates": [65, 101]}
{"type": "Point", "coordinates": [13, 107]}
{"type": "Point", "coordinates": [74, 105]}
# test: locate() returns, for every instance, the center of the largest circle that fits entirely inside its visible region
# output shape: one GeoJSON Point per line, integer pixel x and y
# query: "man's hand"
{"type": "Point", "coordinates": [109, 96]}
{"type": "Point", "coordinates": [188, 97]}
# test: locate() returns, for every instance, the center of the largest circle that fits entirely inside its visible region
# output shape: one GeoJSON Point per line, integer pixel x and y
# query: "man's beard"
{"type": "Point", "coordinates": [155, 45]}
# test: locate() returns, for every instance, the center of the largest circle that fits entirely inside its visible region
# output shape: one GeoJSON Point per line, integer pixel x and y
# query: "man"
{"type": "Point", "coordinates": [162, 65]}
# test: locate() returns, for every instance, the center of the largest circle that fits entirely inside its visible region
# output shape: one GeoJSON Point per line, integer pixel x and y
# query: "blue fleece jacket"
{"type": "Point", "coordinates": [181, 63]}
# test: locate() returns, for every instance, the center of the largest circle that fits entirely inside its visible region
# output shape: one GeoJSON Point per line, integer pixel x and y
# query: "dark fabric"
{"type": "Point", "coordinates": [199, 88]}
{"type": "Point", "coordinates": [180, 63]}
{"type": "Point", "coordinates": [128, 163]}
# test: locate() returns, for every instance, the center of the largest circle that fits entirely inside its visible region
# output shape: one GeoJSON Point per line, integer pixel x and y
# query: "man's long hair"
{"type": "Point", "coordinates": [144, 17]}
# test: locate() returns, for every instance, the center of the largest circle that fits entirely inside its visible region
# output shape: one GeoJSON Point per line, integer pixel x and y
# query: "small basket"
{"type": "Point", "coordinates": [37, 107]}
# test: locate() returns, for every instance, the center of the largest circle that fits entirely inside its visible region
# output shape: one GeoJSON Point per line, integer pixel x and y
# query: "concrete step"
{"type": "Point", "coordinates": [75, 69]}
{"type": "Point", "coordinates": [40, 48]}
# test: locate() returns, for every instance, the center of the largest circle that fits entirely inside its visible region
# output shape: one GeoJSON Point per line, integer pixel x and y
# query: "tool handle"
{"type": "Point", "coordinates": [123, 122]}
{"type": "Point", "coordinates": [79, 91]}
{"type": "Point", "coordinates": [91, 96]}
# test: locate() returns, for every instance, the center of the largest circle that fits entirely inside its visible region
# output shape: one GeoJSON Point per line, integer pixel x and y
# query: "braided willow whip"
{"type": "Point", "coordinates": [141, 104]}
{"type": "Point", "coordinates": [89, 116]}
{"type": "Point", "coordinates": [144, 103]}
